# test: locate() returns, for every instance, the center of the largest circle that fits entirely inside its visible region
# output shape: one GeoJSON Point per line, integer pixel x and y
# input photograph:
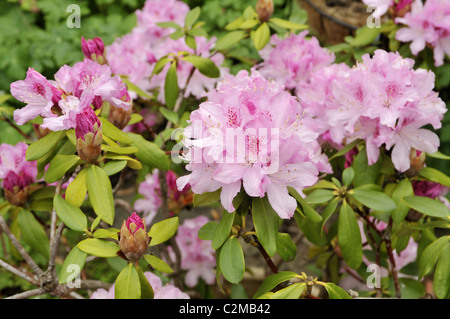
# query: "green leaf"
{"type": "Point", "coordinates": [349, 236]}
{"type": "Point", "coordinates": [99, 247]}
{"type": "Point", "coordinates": [207, 231]}
{"type": "Point", "coordinates": [33, 233]}
{"type": "Point", "coordinates": [248, 24]}
{"type": "Point", "coordinates": [378, 201]}
{"type": "Point", "coordinates": [72, 266]}
{"type": "Point", "coordinates": [133, 87]}
{"type": "Point", "coordinates": [145, 287]}
{"type": "Point", "coordinates": [158, 264]}
{"type": "Point", "coordinates": [44, 145]}
{"type": "Point", "coordinates": [103, 233]}
{"type": "Point", "coordinates": [190, 41]}
{"type": "Point", "coordinates": [404, 188]}
{"type": "Point", "coordinates": [319, 196]}
{"type": "Point", "coordinates": [169, 24]}
{"type": "Point", "coordinates": [149, 153]}
{"type": "Point", "coordinates": [286, 247]}
{"type": "Point", "coordinates": [434, 175]}
{"type": "Point", "coordinates": [206, 199]}
{"type": "Point", "coordinates": [206, 66]}
{"type": "Point", "coordinates": [131, 162]}
{"type": "Point", "coordinates": [347, 176]}
{"type": "Point", "coordinates": [346, 148]}
{"type": "Point", "coordinates": [171, 89]}
{"type": "Point", "coordinates": [170, 115]}
{"type": "Point", "coordinates": [160, 64]}
{"type": "Point", "coordinates": [285, 24]}
{"type": "Point", "coordinates": [100, 193]}
{"type": "Point", "coordinates": [293, 291]}
{"type": "Point", "coordinates": [127, 285]}
{"type": "Point", "coordinates": [428, 206]}
{"type": "Point", "coordinates": [163, 230]}
{"type": "Point", "coordinates": [438, 155]}
{"type": "Point", "coordinates": [114, 167]}
{"type": "Point", "coordinates": [235, 24]}
{"type": "Point", "coordinates": [261, 36]}
{"type": "Point", "coordinates": [309, 212]}
{"type": "Point", "coordinates": [274, 280]}
{"type": "Point", "coordinates": [441, 279]}
{"type": "Point", "coordinates": [120, 150]}
{"type": "Point", "coordinates": [111, 131]}
{"type": "Point", "coordinates": [265, 220]}
{"type": "Point", "coordinates": [364, 36]}
{"type": "Point", "coordinates": [59, 166]}
{"type": "Point", "coordinates": [223, 230]}
{"type": "Point", "coordinates": [365, 173]}
{"type": "Point", "coordinates": [192, 16]}
{"type": "Point", "coordinates": [334, 291]}
{"type": "Point", "coordinates": [232, 261]}
{"type": "Point", "coordinates": [77, 189]}
{"type": "Point", "coordinates": [327, 212]}
{"type": "Point", "coordinates": [70, 215]}
{"type": "Point", "coordinates": [431, 254]}
{"type": "Point", "coordinates": [230, 40]}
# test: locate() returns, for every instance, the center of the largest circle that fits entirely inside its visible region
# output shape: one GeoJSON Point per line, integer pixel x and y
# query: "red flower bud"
{"type": "Point", "coordinates": [133, 238]}
{"type": "Point", "coordinates": [16, 188]}
{"type": "Point", "coordinates": [264, 9]}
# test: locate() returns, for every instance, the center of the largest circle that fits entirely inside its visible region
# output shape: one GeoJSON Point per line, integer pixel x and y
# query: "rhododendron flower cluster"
{"type": "Point", "coordinates": [428, 24]}
{"type": "Point", "coordinates": [136, 53]}
{"type": "Point", "coordinates": [380, 7]}
{"type": "Point", "coordinates": [385, 102]}
{"type": "Point", "coordinates": [74, 88]}
{"type": "Point", "coordinates": [292, 60]}
{"type": "Point", "coordinates": [251, 133]}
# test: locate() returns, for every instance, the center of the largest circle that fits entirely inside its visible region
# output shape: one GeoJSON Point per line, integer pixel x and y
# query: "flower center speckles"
{"type": "Point", "coordinates": [39, 88]}
{"type": "Point", "coordinates": [392, 90]}
{"type": "Point", "coordinates": [359, 94]}
{"type": "Point", "coordinates": [233, 117]}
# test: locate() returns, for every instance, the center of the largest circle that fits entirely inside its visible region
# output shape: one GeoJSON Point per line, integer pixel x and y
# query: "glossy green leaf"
{"type": "Point", "coordinates": [365, 173]}
{"type": "Point", "coordinates": [192, 16]}
{"type": "Point", "coordinates": [163, 230]}
{"type": "Point", "coordinates": [435, 175]}
{"type": "Point", "coordinates": [206, 199]}
{"type": "Point", "coordinates": [44, 145]}
{"type": "Point", "coordinates": [335, 292]}
{"type": "Point", "coordinates": [441, 279]}
{"type": "Point", "coordinates": [349, 236]}
{"type": "Point", "coordinates": [77, 189]}
{"type": "Point", "coordinates": [120, 150]}
{"type": "Point", "coordinates": [207, 231]}
{"type": "Point", "coordinates": [223, 230]}
{"type": "Point", "coordinates": [319, 196]}
{"type": "Point", "coordinates": [403, 189]}
{"type": "Point", "coordinates": [230, 39]}
{"type": "Point", "coordinates": [261, 36]}
{"type": "Point", "coordinates": [171, 89]}
{"type": "Point", "coordinates": [99, 247]}
{"type": "Point", "coordinates": [293, 291]}
{"type": "Point", "coordinates": [33, 233]}
{"type": "Point", "coordinates": [145, 287]}
{"type": "Point", "coordinates": [287, 24]}
{"type": "Point", "coordinates": [206, 66]}
{"type": "Point", "coordinates": [158, 264]}
{"type": "Point", "coordinates": [310, 212]}
{"type": "Point", "coordinates": [272, 281]}
{"type": "Point", "coordinates": [286, 247]}
{"type": "Point", "coordinates": [70, 215]}
{"type": "Point", "coordinates": [347, 176]}
{"type": "Point", "coordinates": [170, 115]}
{"type": "Point", "coordinates": [431, 254]}
{"type": "Point", "coordinates": [114, 167]}
{"type": "Point", "coordinates": [149, 153]}
{"type": "Point", "coordinates": [428, 206]}
{"type": "Point", "coordinates": [127, 285]}
{"type": "Point", "coordinates": [59, 166]}
{"type": "Point", "coordinates": [72, 266]}
{"type": "Point", "coordinates": [113, 132]}
{"type": "Point", "coordinates": [103, 233]}
{"type": "Point", "coordinates": [265, 220]}
{"type": "Point", "coordinates": [100, 193]}
{"type": "Point", "coordinates": [346, 148]}
{"type": "Point", "coordinates": [232, 261]}
{"type": "Point", "coordinates": [378, 201]}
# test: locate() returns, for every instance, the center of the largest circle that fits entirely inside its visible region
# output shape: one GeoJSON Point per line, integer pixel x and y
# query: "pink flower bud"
{"type": "Point", "coordinates": [89, 135]}
{"type": "Point", "coordinates": [94, 49]}
{"type": "Point", "coordinates": [16, 188]}
{"type": "Point", "coordinates": [133, 238]}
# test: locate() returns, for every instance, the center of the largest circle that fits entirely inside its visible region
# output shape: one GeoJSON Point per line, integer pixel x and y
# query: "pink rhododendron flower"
{"type": "Point", "coordinates": [384, 101]}
{"type": "Point", "coordinates": [427, 24]}
{"type": "Point", "coordinates": [167, 291]}
{"type": "Point", "coordinates": [12, 159]}
{"type": "Point", "coordinates": [197, 255]}
{"type": "Point", "coordinates": [251, 133]}
{"type": "Point", "coordinates": [291, 60]}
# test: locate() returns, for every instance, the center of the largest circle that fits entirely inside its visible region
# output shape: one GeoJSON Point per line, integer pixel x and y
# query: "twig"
{"type": "Point", "coordinates": [18, 272]}
{"type": "Point", "coordinates": [387, 240]}
{"type": "Point", "coordinates": [20, 249]}
{"type": "Point", "coordinates": [14, 126]}
{"type": "Point", "coordinates": [29, 293]}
